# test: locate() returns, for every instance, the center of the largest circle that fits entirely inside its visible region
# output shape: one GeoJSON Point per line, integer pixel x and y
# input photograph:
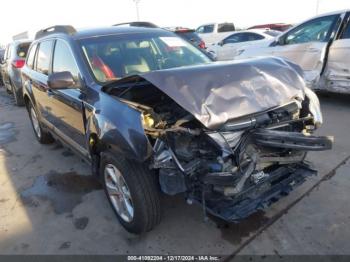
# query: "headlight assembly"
{"type": "Point", "coordinates": [147, 121]}
{"type": "Point", "coordinates": [314, 107]}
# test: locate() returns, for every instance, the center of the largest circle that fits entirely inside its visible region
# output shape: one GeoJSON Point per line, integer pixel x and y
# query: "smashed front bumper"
{"type": "Point", "coordinates": [275, 183]}
{"type": "Point", "coordinates": [279, 183]}
{"type": "Point", "coordinates": [292, 140]}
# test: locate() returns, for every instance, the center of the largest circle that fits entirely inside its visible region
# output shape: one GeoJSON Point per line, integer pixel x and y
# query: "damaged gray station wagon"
{"type": "Point", "coordinates": [152, 113]}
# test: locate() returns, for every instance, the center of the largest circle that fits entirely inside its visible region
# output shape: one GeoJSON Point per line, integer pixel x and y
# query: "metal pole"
{"type": "Point", "coordinates": [137, 9]}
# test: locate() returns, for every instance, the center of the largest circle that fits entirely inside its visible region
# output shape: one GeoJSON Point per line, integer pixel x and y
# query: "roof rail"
{"type": "Point", "coordinates": [138, 24]}
{"type": "Point", "coordinates": [65, 29]}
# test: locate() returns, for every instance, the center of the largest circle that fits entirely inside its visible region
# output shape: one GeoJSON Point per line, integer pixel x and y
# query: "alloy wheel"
{"type": "Point", "coordinates": [35, 122]}
{"type": "Point", "coordinates": [119, 193]}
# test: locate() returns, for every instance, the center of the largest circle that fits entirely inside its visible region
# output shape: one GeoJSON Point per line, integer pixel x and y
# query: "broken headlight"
{"type": "Point", "coordinates": [147, 121]}
{"type": "Point", "coordinates": [314, 107]}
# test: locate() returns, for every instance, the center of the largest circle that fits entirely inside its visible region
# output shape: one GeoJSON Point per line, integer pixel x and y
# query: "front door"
{"type": "Point", "coordinates": [236, 41]}
{"type": "Point", "coordinates": [306, 45]}
{"type": "Point", "coordinates": [228, 46]}
{"type": "Point", "coordinates": [337, 72]}
{"type": "Point", "coordinates": [66, 104]}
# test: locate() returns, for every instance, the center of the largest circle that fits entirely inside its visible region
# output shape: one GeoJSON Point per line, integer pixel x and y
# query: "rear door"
{"type": "Point", "coordinates": [306, 45]}
{"type": "Point", "coordinates": [337, 72]}
{"type": "Point", "coordinates": [40, 88]}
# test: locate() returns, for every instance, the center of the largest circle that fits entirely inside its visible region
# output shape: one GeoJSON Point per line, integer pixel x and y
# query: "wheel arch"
{"type": "Point", "coordinates": [116, 137]}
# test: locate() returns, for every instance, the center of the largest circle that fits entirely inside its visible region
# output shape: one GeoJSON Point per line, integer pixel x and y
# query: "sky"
{"type": "Point", "coordinates": [32, 15]}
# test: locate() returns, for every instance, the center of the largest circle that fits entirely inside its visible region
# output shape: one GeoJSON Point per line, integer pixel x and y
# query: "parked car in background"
{"type": "Point", "coordinates": [278, 27]}
{"type": "Point", "coordinates": [214, 32]}
{"type": "Point", "coordinates": [320, 45]}
{"type": "Point", "coordinates": [151, 112]}
{"type": "Point", "coordinates": [188, 34]}
{"type": "Point", "coordinates": [227, 48]}
{"type": "Point", "coordinates": [14, 59]}
{"type": "Point", "coordinates": [2, 53]}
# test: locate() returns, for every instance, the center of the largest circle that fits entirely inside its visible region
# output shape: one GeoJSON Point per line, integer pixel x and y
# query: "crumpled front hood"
{"type": "Point", "coordinates": [219, 92]}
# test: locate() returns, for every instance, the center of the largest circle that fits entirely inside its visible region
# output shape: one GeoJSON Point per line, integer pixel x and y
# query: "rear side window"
{"type": "Point", "coordinates": [253, 37]}
{"type": "Point", "coordinates": [63, 60]}
{"type": "Point", "coordinates": [44, 56]}
{"type": "Point", "coordinates": [346, 33]}
{"type": "Point", "coordinates": [22, 50]}
{"type": "Point", "coordinates": [31, 56]}
{"type": "Point", "coordinates": [226, 27]}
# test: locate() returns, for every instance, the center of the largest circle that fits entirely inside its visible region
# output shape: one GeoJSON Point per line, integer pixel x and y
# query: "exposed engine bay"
{"type": "Point", "coordinates": [235, 168]}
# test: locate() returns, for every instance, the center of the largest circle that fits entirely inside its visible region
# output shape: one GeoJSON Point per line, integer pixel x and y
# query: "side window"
{"type": "Point", "coordinates": [236, 38]}
{"type": "Point", "coordinates": [205, 29]}
{"type": "Point", "coordinates": [44, 56]}
{"type": "Point", "coordinates": [200, 29]}
{"type": "Point", "coordinates": [31, 56]}
{"type": "Point", "coordinates": [317, 30]}
{"type": "Point", "coordinates": [63, 60]}
{"type": "Point", "coordinates": [226, 27]}
{"type": "Point", "coordinates": [253, 37]}
{"type": "Point", "coordinates": [346, 33]}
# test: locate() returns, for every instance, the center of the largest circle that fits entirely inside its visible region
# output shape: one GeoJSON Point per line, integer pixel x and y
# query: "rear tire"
{"type": "Point", "coordinates": [9, 91]}
{"type": "Point", "coordinates": [18, 96]}
{"type": "Point", "coordinates": [41, 134]}
{"type": "Point", "coordinates": [142, 208]}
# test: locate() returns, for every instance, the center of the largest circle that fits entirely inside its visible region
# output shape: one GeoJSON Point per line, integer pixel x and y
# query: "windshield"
{"type": "Point", "coordinates": [273, 33]}
{"type": "Point", "coordinates": [117, 56]}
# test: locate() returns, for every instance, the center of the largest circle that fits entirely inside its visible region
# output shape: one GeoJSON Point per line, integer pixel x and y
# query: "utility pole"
{"type": "Point", "coordinates": [137, 9]}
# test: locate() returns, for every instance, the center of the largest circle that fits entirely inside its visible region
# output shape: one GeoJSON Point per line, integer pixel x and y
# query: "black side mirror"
{"type": "Point", "coordinates": [61, 80]}
{"type": "Point", "coordinates": [221, 43]}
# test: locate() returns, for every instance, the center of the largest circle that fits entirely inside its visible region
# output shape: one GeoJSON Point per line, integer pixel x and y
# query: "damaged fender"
{"type": "Point", "coordinates": [122, 132]}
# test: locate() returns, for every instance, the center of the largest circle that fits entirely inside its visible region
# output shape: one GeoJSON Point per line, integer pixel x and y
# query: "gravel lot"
{"type": "Point", "coordinates": [50, 205]}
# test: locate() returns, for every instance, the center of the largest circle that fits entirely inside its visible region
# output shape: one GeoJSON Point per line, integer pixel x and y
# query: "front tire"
{"type": "Point", "coordinates": [41, 135]}
{"type": "Point", "coordinates": [132, 193]}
